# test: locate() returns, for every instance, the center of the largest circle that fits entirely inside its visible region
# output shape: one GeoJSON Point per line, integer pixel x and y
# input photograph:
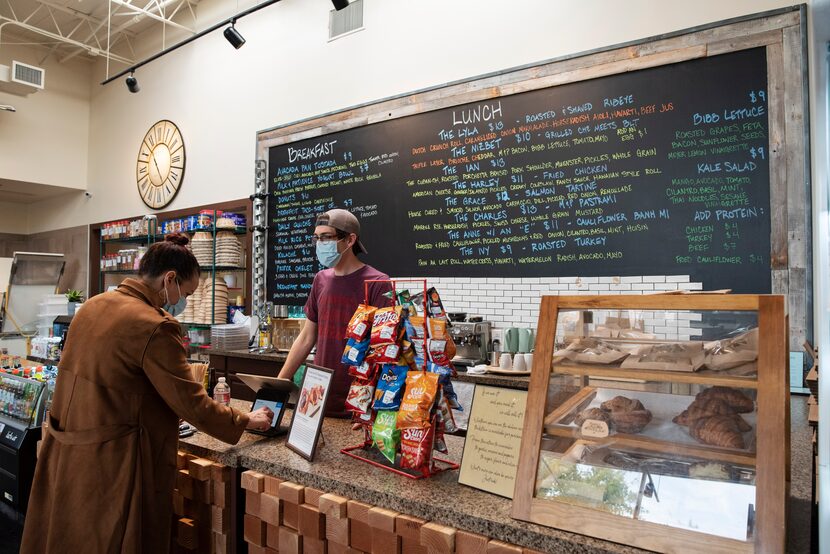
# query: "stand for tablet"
{"type": "Point", "coordinates": [270, 390]}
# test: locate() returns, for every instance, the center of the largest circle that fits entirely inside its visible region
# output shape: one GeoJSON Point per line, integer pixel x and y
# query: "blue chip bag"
{"type": "Point", "coordinates": [444, 379]}
{"type": "Point", "coordinates": [391, 385]}
{"type": "Point", "coordinates": [355, 352]}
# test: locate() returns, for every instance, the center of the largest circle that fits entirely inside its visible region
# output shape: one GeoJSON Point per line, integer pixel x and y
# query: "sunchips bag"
{"type": "Point", "coordinates": [361, 322]}
{"type": "Point", "coordinates": [416, 447]}
{"type": "Point", "coordinates": [421, 390]}
{"type": "Point", "coordinates": [385, 434]}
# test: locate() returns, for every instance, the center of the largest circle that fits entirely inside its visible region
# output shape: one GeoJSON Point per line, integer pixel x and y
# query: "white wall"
{"type": "Point", "coordinates": [14, 218]}
{"type": "Point", "coordinates": [287, 71]}
{"type": "Point", "coordinates": [47, 140]}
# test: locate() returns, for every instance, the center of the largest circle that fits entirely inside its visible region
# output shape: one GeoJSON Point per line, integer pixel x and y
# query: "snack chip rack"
{"type": "Point", "coordinates": [364, 451]}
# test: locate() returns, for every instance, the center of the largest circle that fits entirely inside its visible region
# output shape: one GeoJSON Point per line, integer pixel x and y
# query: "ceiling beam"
{"type": "Point", "coordinates": [153, 15]}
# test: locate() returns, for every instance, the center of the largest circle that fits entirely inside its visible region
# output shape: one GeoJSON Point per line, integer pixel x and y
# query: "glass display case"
{"type": "Point", "coordinates": [659, 421]}
{"type": "Point", "coordinates": [22, 406]}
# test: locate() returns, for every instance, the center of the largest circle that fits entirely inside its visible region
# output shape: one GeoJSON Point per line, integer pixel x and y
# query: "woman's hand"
{"type": "Point", "coordinates": [260, 420]}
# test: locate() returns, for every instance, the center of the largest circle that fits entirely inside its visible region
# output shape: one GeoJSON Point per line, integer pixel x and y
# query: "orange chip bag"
{"type": "Point", "coordinates": [361, 322]}
{"type": "Point", "coordinates": [437, 328]}
{"type": "Point", "coordinates": [421, 389]}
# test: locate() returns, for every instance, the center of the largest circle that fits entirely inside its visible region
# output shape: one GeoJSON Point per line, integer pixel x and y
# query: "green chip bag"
{"type": "Point", "coordinates": [385, 434]}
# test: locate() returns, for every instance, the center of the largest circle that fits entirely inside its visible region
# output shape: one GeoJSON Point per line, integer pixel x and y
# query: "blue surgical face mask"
{"type": "Point", "coordinates": [327, 253]}
{"type": "Point", "coordinates": [178, 307]}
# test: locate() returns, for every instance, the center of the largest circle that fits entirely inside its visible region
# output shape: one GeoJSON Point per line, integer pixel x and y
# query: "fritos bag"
{"type": "Point", "coordinates": [361, 322]}
{"type": "Point", "coordinates": [421, 390]}
{"type": "Point", "coordinates": [385, 326]}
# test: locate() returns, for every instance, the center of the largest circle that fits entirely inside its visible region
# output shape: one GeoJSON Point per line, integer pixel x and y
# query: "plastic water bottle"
{"type": "Point", "coordinates": [222, 392]}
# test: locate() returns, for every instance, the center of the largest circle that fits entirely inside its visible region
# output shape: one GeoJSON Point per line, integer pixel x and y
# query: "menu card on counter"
{"type": "Point", "coordinates": [308, 414]}
{"type": "Point", "coordinates": [494, 439]}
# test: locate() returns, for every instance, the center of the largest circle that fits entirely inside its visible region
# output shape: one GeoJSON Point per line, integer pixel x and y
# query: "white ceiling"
{"type": "Point", "coordinates": [21, 192]}
{"type": "Point", "coordinates": [65, 29]}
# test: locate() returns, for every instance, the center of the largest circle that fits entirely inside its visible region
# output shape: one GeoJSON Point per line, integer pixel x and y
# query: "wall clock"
{"type": "Point", "coordinates": [159, 170]}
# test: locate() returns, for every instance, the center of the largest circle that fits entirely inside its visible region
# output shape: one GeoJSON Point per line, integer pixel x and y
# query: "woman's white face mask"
{"type": "Point", "coordinates": [178, 307]}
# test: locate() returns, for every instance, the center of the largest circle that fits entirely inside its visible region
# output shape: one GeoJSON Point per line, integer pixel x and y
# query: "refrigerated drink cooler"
{"type": "Point", "coordinates": [22, 406]}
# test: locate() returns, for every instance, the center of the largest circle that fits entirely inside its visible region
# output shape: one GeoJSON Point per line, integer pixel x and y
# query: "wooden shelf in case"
{"type": "Point", "coordinates": [703, 377]}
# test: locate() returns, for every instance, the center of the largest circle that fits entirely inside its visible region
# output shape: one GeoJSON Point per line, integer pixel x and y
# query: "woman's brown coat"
{"type": "Point", "coordinates": [107, 465]}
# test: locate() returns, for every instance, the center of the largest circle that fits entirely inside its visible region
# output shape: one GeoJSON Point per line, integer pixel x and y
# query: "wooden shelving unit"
{"type": "Point", "coordinates": [99, 280]}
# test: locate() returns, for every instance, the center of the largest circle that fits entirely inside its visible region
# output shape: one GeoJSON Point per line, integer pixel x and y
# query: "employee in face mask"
{"type": "Point", "coordinates": [104, 478]}
{"type": "Point", "coordinates": [337, 290]}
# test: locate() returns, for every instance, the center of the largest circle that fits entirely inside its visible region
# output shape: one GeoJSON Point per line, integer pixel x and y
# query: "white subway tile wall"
{"type": "Point", "coordinates": [514, 301]}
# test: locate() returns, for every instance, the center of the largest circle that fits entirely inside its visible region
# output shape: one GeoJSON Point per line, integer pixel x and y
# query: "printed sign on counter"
{"type": "Point", "coordinates": [494, 438]}
{"type": "Point", "coordinates": [308, 415]}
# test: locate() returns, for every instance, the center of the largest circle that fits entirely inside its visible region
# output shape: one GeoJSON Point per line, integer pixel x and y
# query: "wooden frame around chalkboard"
{"type": "Point", "coordinates": [772, 450]}
{"type": "Point", "coordinates": [782, 32]}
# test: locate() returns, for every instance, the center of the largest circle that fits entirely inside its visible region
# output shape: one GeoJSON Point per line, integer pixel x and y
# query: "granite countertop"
{"type": "Point", "coordinates": [443, 500]}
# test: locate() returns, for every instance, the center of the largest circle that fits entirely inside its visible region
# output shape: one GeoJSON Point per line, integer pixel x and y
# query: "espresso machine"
{"type": "Point", "coordinates": [472, 339]}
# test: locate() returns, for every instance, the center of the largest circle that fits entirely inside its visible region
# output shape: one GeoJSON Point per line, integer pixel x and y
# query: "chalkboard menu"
{"type": "Point", "coordinates": [661, 171]}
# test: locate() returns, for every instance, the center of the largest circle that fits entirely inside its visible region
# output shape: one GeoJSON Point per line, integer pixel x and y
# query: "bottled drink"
{"type": "Point", "coordinates": [222, 392]}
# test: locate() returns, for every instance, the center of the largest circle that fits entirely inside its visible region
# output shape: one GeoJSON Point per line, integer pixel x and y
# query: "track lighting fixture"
{"type": "Point", "coordinates": [340, 4]}
{"type": "Point", "coordinates": [233, 36]}
{"type": "Point", "coordinates": [132, 83]}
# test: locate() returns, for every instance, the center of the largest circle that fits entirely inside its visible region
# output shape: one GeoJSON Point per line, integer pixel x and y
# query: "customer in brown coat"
{"type": "Point", "coordinates": [105, 474]}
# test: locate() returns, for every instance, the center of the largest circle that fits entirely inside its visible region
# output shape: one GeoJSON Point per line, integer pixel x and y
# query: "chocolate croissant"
{"type": "Point", "coordinates": [622, 404]}
{"type": "Point", "coordinates": [703, 407]}
{"type": "Point", "coordinates": [593, 413]}
{"type": "Point", "coordinates": [735, 398]}
{"type": "Point", "coordinates": [632, 421]}
{"type": "Point", "coordinates": [720, 430]}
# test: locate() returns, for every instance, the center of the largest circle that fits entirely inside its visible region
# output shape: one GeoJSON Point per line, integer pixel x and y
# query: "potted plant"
{"type": "Point", "coordinates": [74, 297]}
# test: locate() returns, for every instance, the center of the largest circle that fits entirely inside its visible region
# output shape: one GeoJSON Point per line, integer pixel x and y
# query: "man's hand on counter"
{"type": "Point", "coordinates": [260, 419]}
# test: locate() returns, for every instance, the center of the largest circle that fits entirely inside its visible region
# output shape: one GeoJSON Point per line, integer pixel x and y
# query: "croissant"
{"type": "Point", "coordinates": [622, 404]}
{"type": "Point", "coordinates": [703, 407]}
{"type": "Point", "coordinates": [592, 413]}
{"type": "Point", "coordinates": [630, 422]}
{"type": "Point", "coordinates": [735, 398]}
{"type": "Point", "coordinates": [720, 430]}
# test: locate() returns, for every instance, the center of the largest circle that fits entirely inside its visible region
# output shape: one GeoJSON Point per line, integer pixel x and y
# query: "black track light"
{"type": "Point", "coordinates": [132, 83]}
{"type": "Point", "coordinates": [234, 37]}
{"type": "Point", "coordinates": [340, 4]}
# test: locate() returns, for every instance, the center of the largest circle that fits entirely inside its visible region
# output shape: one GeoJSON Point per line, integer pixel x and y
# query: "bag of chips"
{"type": "Point", "coordinates": [437, 350]}
{"type": "Point", "coordinates": [421, 390]}
{"type": "Point", "coordinates": [366, 370]}
{"type": "Point", "coordinates": [359, 398]}
{"type": "Point", "coordinates": [361, 322]}
{"type": "Point", "coordinates": [385, 354]}
{"type": "Point", "coordinates": [390, 387]}
{"type": "Point", "coordinates": [385, 434]}
{"type": "Point", "coordinates": [355, 352]}
{"type": "Point", "coordinates": [444, 379]}
{"type": "Point", "coordinates": [446, 416]}
{"type": "Point", "coordinates": [434, 306]}
{"type": "Point", "coordinates": [385, 326]}
{"type": "Point", "coordinates": [416, 447]}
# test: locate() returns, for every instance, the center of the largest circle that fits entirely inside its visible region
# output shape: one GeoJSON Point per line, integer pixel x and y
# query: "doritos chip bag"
{"type": "Point", "coordinates": [421, 389]}
{"type": "Point", "coordinates": [390, 388]}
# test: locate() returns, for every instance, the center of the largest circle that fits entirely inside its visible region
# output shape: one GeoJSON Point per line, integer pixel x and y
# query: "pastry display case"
{"type": "Point", "coordinates": [659, 421]}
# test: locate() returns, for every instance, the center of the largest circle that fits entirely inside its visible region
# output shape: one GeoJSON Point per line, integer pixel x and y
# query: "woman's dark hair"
{"type": "Point", "coordinates": [171, 254]}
